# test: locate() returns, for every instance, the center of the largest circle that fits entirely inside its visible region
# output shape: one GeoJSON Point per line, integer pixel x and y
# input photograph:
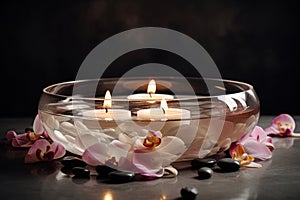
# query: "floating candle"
{"type": "Point", "coordinates": [163, 113]}
{"type": "Point", "coordinates": [107, 113]}
{"type": "Point", "coordinates": [150, 94]}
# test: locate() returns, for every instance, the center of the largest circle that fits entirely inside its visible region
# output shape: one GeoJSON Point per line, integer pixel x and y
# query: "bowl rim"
{"type": "Point", "coordinates": [248, 87]}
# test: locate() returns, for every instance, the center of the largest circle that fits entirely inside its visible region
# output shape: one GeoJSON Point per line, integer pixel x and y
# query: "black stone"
{"type": "Point", "coordinates": [205, 173]}
{"type": "Point", "coordinates": [66, 170]}
{"type": "Point", "coordinates": [81, 172]}
{"type": "Point", "coordinates": [104, 170]}
{"type": "Point", "coordinates": [203, 162]}
{"type": "Point", "coordinates": [121, 176]}
{"type": "Point", "coordinates": [189, 192]}
{"type": "Point", "coordinates": [228, 164]}
{"type": "Point", "coordinates": [72, 161]}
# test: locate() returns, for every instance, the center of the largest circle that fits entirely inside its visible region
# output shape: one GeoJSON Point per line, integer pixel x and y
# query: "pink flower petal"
{"type": "Point", "coordinates": [10, 135]}
{"type": "Point", "coordinates": [282, 125]}
{"type": "Point", "coordinates": [148, 163]}
{"type": "Point", "coordinates": [268, 139]}
{"type": "Point", "coordinates": [118, 149]}
{"type": "Point", "coordinates": [257, 150]}
{"type": "Point", "coordinates": [37, 125]}
{"type": "Point", "coordinates": [95, 154]}
{"type": "Point", "coordinates": [21, 140]}
{"type": "Point", "coordinates": [59, 150]}
{"type": "Point", "coordinates": [42, 150]}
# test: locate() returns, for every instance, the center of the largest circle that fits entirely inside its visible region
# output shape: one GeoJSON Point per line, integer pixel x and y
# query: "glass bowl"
{"type": "Point", "coordinates": [185, 118]}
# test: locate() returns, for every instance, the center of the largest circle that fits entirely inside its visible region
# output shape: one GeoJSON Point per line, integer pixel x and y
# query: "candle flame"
{"type": "Point", "coordinates": [151, 87]}
{"type": "Point", "coordinates": [163, 104]}
{"type": "Point", "coordinates": [107, 100]}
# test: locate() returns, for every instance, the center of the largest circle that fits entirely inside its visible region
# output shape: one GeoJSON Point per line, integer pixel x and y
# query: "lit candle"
{"type": "Point", "coordinates": [150, 94]}
{"type": "Point", "coordinates": [107, 113]}
{"type": "Point", "coordinates": [163, 113]}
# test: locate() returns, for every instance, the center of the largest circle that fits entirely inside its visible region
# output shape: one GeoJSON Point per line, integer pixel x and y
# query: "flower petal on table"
{"type": "Point", "coordinates": [257, 150]}
{"type": "Point", "coordinates": [42, 150]}
{"type": "Point", "coordinates": [21, 140]}
{"type": "Point", "coordinates": [59, 150]}
{"type": "Point", "coordinates": [237, 152]}
{"type": "Point", "coordinates": [10, 135]}
{"type": "Point", "coordinates": [257, 134]}
{"type": "Point", "coordinates": [253, 165]}
{"type": "Point", "coordinates": [282, 125]}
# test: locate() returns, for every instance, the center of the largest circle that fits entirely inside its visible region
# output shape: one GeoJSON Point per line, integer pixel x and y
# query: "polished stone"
{"type": "Point", "coordinates": [189, 193]}
{"type": "Point", "coordinates": [121, 176]}
{"type": "Point", "coordinates": [72, 161]}
{"type": "Point", "coordinates": [228, 164]}
{"type": "Point", "coordinates": [81, 172]}
{"type": "Point", "coordinates": [205, 173]}
{"type": "Point", "coordinates": [104, 170]}
{"type": "Point", "coordinates": [203, 162]}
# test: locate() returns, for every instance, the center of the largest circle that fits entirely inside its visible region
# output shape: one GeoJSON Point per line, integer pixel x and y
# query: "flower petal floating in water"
{"type": "Point", "coordinates": [147, 155]}
{"type": "Point", "coordinates": [102, 153]}
{"type": "Point", "coordinates": [283, 125]}
{"type": "Point", "coordinates": [152, 140]}
{"type": "Point", "coordinates": [43, 150]}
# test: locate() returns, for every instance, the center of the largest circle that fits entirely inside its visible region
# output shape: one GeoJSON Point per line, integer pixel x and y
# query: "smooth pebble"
{"type": "Point", "coordinates": [104, 170]}
{"type": "Point", "coordinates": [189, 192]}
{"type": "Point", "coordinates": [205, 173]}
{"type": "Point", "coordinates": [203, 162]}
{"type": "Point", "coordinates": [229, 165]}
{"type": "Point", "coordinates": [66, 170]}
{"type": "Point", "coordinates": [80, 172]}
{"type": "Point", "coordinates": [121, 176]}
{"type": "Point", "coordinates": [72, 161]}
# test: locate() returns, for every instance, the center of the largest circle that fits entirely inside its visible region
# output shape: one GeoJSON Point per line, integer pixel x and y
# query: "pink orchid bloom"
{"type": "Point", "coordinates": [43, 150]}
{"type": "Point", "coordinates": [283, 125]}
{"type": "Point", "coordinates": [28, 138]}
{"type": "Point", "coordinates": [256, 143]}
{"type": "Point", "coordinates": [147, 155]}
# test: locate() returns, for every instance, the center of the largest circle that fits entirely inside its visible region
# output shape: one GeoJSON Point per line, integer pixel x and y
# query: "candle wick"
{"type": "Point", "coordinates": [150, 94]}
{"type": "Point", "coordinates": [106, 110]}
{"type": "Point", "coordinates": [163, 110]}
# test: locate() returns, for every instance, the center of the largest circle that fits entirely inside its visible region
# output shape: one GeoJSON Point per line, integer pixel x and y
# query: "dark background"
{"type": "Point", "coordinates": [45, 42]}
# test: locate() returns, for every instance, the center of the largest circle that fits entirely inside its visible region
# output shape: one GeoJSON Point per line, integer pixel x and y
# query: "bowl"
{"type": "Point", "coordinates": [181, 119]}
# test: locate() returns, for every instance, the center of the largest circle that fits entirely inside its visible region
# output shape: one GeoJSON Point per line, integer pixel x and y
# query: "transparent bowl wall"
{"type": "Point", "coordinates": [221, 112]}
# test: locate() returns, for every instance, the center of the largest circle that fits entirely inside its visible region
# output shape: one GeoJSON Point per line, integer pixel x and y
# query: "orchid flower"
{"type": "Point", "coordinates": [256, 144]}
{"type": "Point", "coordinates": [148, 154]}
{"type": "Point", "coordinates": [238, 153]}
{"type": "Point", "coordinates": [28, 138]}
{"type": "Point", "coordinates": [283, 125]}
{"type": "Point", "coordinates": [42, 148]}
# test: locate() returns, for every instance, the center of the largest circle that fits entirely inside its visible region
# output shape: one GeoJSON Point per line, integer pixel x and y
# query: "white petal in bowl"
{"type": "Point", "coordinates": [69, 128]}
{"type": "Point", "coordinates": [88, 140]}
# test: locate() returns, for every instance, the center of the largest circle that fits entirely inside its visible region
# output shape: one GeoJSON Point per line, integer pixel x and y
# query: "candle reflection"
{"type": "Point", "coordinates": [108, 196]}
{"type": "Point", "coordinates": [163, 197]}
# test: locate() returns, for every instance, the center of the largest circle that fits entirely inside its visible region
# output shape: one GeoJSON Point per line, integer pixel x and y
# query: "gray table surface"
{"type": "Point", "coordinates": [279, 178]}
